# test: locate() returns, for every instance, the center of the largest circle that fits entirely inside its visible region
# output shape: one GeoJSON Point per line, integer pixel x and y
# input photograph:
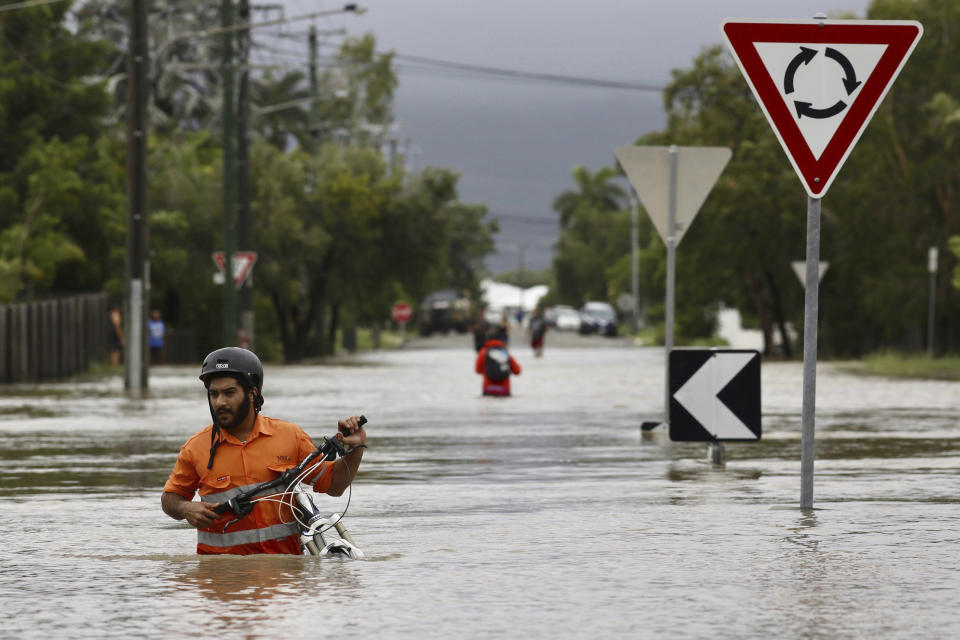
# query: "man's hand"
{"type": "Point", "coordinates": [198, 514]}
{"type": "Point", "coordinates": [350, 432]}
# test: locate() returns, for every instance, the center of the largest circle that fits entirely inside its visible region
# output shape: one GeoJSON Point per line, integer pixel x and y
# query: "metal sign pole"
{"type": "Point", "coordinates": [634, 258]}
{"type": "Point", "coordinates": [671, 277]}
{"type": "Point", "coordinates": [931, 313]}
{"type": "Point", "coordinates": [810, 314]}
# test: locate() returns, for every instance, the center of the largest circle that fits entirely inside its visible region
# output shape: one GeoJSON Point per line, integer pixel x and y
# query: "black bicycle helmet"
{"type": "Point", "coordinates": [238, 363]}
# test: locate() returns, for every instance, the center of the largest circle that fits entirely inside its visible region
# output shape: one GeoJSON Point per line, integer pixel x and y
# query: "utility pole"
{"type": "Point", "coordinates": [394, 158]}
{"type": "Point", "coordinates": [244, 215]}
{"type": "Point", "coordinates": [135, 363]}
{"type": "Point", "coordinates": [931, 313]}
{"type": "Point", "coordinates": [634, 257]}
{"type": "Point", "coordinates": [314, 93]}
{"type": "Point", "coordinates": [521, 249]}
{"type": "Point", "coordinates": [229, 178]}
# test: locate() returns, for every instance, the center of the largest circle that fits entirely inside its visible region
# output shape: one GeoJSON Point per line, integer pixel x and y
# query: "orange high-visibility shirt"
{"type": "Point", "coordinates": [273, 447]}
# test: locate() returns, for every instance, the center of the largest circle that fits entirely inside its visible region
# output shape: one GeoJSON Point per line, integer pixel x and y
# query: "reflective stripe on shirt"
{"type": "Point", "coordinates": [250, 536]}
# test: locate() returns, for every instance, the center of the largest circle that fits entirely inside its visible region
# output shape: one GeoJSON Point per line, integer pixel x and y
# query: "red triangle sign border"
{"type": "Point", "coordinates": [817, 174]}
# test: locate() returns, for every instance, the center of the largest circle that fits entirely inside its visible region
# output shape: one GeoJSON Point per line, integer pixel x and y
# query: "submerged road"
{"type": "Point", "coordinates": [543, 515]}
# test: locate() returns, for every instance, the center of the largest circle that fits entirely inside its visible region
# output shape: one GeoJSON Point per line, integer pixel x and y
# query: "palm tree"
{"type": "Point", "coordinates": [594, 190]}
{"type": "Point", "coordinates": [282, 109]}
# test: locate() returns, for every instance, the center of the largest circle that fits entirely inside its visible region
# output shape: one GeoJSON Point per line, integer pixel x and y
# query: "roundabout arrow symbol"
{"type": "Point", "coordinates": [850, 81]}
{"type": "Point", "coordinates": [806, 109]}
{"type": "Point", "coordinates": [804, 57]}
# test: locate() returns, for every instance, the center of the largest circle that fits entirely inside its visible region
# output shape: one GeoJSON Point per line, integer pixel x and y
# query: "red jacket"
{"type": "Point", "coordinates": [494, 387]}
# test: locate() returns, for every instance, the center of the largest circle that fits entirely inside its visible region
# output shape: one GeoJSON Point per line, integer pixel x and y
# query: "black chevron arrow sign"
{"type": "Point", "coordinates": [714, 395]}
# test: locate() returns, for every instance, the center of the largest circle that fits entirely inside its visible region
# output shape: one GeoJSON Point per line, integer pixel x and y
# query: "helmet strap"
{"type": "Point", "coordinates": [215, 440]}
{"type": "Point", "coordinates": [215, 436]}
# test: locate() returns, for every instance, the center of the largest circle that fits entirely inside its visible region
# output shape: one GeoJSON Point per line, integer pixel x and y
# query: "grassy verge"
{"type": "Point", "coordinates": [388, 339]}
{"type": "Point", "coordinates": [900, 365]}
{"type": "Point", "coordinates": [653, 336]}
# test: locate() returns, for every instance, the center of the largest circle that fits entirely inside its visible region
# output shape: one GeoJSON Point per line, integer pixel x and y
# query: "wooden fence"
{"type": "Point", "coordinates": [52, 339]}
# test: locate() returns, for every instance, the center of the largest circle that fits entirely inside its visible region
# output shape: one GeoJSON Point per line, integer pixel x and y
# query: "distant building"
{"type": "Point", "coordinates": [503, 298]}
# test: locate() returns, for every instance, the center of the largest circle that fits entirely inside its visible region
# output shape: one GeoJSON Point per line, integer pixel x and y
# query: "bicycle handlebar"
{"type": "Point", "coordinates": [242, 504]}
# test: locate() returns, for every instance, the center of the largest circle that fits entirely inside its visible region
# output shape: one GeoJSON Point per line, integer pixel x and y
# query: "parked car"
{"type": "Point", "coordinates": [598, 317]}
{"type": "Point", "coordinates": [443, 311]}
{"type": "Point", "coordinates": [566, 318]}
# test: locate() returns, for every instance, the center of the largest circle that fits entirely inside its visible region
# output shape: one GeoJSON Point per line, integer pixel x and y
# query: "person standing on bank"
{"type": "Point", "coordinates": [496, 364]}
{"type": "Point", "coordinates": [242, 447]}
{"type": "Point", "coordinates": [115, 339]}
{"type": "Point", "coordinates": [156, 331]}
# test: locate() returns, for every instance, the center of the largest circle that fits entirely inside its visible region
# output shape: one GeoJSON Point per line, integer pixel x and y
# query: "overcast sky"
{"type": "Point", "coordinates": [514, 140]}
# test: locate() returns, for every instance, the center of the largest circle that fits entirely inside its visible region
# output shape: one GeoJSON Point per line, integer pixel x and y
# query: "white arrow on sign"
{"type": "Point", "coordinates": [698, 396]}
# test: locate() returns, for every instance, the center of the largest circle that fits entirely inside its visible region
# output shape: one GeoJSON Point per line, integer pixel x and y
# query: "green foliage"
{"type": "Point", "coordinates": [594, 233]}
{"type": "Point", "coordinates": [184, 179]}
{"type": "Point", "coordinates": [905, 365]}
{"type": "Point", "coordinates": [340, 236]}
{"type": "Point", "coordinates": [525, 278]}
{"type": "Point", "coordinates": [954, 245]}
{"type": "Point", "coordinates": [59, 202]}
{"type": "Point", "coordinates": [348, 245]}
{"type": "Point", "coordinates": [185, 81]}
{"type": "Point", "coordinates": [283, 114]}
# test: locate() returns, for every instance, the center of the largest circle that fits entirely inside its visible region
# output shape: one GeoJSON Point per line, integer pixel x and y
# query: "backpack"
{"type": "Point", "coordinates": [497, 364]}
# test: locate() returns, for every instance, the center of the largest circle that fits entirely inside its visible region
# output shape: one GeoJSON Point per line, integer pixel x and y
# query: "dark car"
{"type": "Point", "coordinates": [598, 317]}
{"type": "Point", "coordinates": [444, 311]}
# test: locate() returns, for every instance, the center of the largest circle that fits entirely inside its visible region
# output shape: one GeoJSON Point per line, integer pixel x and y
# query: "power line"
{"type": "Point", "coordinates": [532, 75]}
{"type": "Point", "coordinates": [517, 74]}
{"type": "Point", "coordinates": [27, 5]}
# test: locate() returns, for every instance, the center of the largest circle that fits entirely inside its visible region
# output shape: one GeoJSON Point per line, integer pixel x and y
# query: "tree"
{"type": "Point", "coordinates": [591, 238]}
{"type": "Point", "coordinates": [290, 119]}
{"type": "Point", "coordinates": [185, 80]}
{"type": "Point", "coordinates": [60, 196]}
{"type": "Point", "coordinates": [185, 229]}
{"type": "Point", "coordinates": [358, 93]}
{"type": "Point", "coordinates": [593, 191]}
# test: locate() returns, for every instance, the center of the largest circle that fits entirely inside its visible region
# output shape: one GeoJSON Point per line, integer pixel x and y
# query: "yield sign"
{"type": "Point", "coordinates": [820, 82]}
{"type": "Point", "coordinates": [800, 268]}
{"type": "Point", "coordinates": [714, 395]}
{"type": "Point", "coordinates": [243, 262]}
{"type": "Point", "coordinates": [648, 169]}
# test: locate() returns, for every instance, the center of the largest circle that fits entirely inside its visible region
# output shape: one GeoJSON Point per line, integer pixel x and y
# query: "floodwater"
{"type": "Point", "coordinates": [544, 515]}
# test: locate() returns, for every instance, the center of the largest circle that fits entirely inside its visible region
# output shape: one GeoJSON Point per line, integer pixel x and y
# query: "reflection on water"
{"type": "Point", "coordinates": [256, 579]}
{"type": "Point", "coordinates": [549, 514]}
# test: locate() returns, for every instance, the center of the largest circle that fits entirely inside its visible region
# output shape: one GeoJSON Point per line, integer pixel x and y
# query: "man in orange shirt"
{"type": "Point", "coordinates": [246, 448]}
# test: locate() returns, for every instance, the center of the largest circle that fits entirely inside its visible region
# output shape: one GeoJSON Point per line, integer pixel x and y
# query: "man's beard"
{"type": "Point", "coordinates": [239, 416]}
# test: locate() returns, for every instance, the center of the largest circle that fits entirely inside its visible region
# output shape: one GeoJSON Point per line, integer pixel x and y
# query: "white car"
{"type": "Point", "coordinates": [566, 318]}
